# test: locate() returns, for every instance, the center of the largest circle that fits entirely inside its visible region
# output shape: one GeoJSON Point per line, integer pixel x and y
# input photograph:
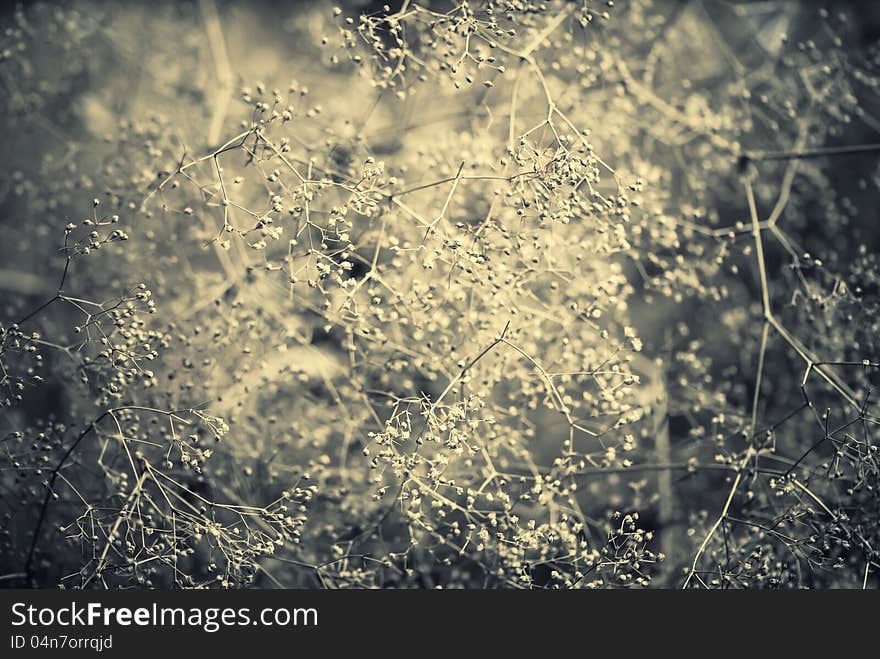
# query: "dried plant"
{"type": "Point", "coordinates": [499, 294]}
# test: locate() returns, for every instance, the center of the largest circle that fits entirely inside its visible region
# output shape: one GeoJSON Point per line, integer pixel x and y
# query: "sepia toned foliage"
{"type": "Point", "coordinates": [491, 294]}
